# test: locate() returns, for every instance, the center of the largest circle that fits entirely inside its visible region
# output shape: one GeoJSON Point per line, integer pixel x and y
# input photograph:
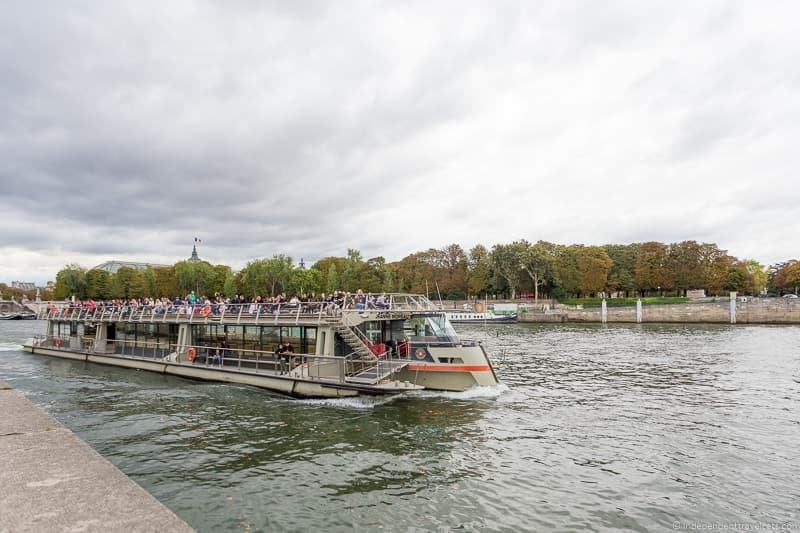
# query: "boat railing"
{"type": "Point", "coordinates": [245, 312]}
{"type": "Point", "coordinates": [307, 366]}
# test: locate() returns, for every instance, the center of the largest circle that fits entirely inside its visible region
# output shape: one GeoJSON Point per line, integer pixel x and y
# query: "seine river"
{"type": "Point", "coordinates": [640, 427]}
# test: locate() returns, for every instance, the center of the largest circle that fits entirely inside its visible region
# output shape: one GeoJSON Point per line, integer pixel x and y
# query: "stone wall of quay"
{"type": "Point", "coordinates": [747, 311]}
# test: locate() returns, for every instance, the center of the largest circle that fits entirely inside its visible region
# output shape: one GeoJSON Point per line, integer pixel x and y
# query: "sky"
{"type": "Point", "coordinates": [306, 128]}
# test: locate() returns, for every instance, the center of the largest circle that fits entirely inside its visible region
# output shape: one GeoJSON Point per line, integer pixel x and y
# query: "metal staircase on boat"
{"type": "Point", "coordinates": [377, 372]}
{"type": "Point", "coordinates": [355, 342]}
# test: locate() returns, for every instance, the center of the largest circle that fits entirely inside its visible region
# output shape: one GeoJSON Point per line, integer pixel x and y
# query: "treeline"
{"type": "Point", "coordinates": [540, 269]}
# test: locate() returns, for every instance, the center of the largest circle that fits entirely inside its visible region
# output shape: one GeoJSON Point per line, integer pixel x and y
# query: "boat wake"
{"type": "Point", "coordinates": [10, 347]}
{"type": "Point", "coordinates": [475, 393]}
{"type": "Point", "coordinates": [361, 403]}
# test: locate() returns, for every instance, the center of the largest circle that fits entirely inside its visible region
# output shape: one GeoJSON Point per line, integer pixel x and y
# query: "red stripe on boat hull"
{"type": "Point", "coordinates": [434, 367]}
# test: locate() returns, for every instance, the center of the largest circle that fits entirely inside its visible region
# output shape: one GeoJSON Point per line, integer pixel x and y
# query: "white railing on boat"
{"type": "Point", "coordinates": [307, 366]}
{"type": "Point", "coordinates": [230, 313]}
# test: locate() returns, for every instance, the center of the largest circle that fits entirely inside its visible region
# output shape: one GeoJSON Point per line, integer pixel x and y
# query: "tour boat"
{"type": "Point", "coordinates": [406, 344]}
{"type": "Point", "coordinates": [474, 314]}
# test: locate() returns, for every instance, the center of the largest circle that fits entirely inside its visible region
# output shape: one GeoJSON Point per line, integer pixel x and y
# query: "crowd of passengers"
{"type": "Point", "coordinates": [218, 304]}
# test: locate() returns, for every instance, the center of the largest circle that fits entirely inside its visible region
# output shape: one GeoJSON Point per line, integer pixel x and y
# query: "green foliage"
{"type": "Point", "coordinates": [267, 277]}
{"type": "Point", "coordinates": [127, 283]}
{"type": "Point", "coordinates": [98, 284]}
{"type": "Point", "coordinates": [333, 283]}
{"type": "Point", "coordinates": [70, 281]}
{"type": "Point", "coordinates": [198, 276]}
{"type": "Point", "coordinates": [166, 282]}
{"type": "Point", "coordinates": [507, 261]}
{"type": "Point", "coordinates": [624, 302]}
{"type": "Point", "coordinates": [230, 286]}
{"type": "Point", "coordinates": [542, 268]}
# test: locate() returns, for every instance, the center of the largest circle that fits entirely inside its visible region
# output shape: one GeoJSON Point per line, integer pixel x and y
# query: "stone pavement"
{"type": "Point", "coordinates": [50, 480]}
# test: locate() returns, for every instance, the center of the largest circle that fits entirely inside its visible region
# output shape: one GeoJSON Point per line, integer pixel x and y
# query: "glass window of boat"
{"type": "Point", "coordinates": [373, 331]}
{"type": "Point", "coordinates": [441, 326]}
{"type": "Point", "coordinates": [270, 338]}
{"type": "Point", "coordinates": [208, 334]}
{"type": "Point", "coordinates": [310, 341]}
{"type": "Point", "coordinates": [291, 334]}
{"type": "Point", "coordinates": [252, 338]}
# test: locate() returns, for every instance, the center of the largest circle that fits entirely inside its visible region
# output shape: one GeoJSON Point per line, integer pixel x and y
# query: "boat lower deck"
{"type": "Point", "coordinates": [304, 380]}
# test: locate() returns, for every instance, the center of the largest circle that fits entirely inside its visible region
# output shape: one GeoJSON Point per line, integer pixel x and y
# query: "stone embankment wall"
{"type": "Point", "coordinates": [748, 311]}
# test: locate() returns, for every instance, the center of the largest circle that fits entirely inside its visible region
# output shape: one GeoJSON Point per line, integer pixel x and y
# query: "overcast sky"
{"type": "Point", "coordinates": [305, 128]}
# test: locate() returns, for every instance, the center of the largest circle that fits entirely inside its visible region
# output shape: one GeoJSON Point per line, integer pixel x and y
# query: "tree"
{"type": "Point", "coordinates": [388, 280]}
{"type": "Point", "coordinates": [593, 267]}
{"type": "Point", "coordinates": [230, 287]}
{"type": "Point", "coordinates": [194, 276]}
{"type": "Point", "coordinates": [621, 277]}
{"type": "Point", "coordinates": [759, 275]}
{"type": "Point", "coordinates": [479, 270]}
{"type": "Point", "coordinates": [649, 267]}
{"type": "Point", "coordinates": [267, 276]}
{"type": "Point", "coordinates": [539, 262]}
{"type": "Point", "coordinates": [333, 283]}
{"type": "Point", "coordinates": [507, 261]}
{"type": "Point", "coordinates": [166, 282]}
{"type": "Point", "coordinates": [70, 281]}
{"type": "Point", "coordinates": [98, 284]}
{"type": "Point", "coordinates": [683, 263]}
{"type": "Point", "coordinates": [127, 283]}
{"type": "Point", "coordinates": [787, 276]}
{"type": "Point", "coordinates": [567, 270]}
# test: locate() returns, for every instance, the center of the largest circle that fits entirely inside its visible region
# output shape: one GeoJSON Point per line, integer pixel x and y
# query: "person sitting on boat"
{"type": "Point", "coordinates": [216, 357]}
{"type": "Point", "coordinates": [361, 300]}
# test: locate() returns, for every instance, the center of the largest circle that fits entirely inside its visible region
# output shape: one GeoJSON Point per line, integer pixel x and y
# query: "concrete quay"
{"type": "Point", "coordinates": [740, 310]}
{"type": "Point", "coordinates": [51, 480]}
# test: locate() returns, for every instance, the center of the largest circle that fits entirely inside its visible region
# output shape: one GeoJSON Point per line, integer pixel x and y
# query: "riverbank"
{"type": "Point", "coordinates": [745, 310]}
{"type": "Point", "coordinates": [53, 481]}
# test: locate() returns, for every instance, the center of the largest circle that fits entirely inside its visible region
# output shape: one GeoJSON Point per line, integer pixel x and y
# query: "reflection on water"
{"type": "Point", "coordinates": [603, 427]}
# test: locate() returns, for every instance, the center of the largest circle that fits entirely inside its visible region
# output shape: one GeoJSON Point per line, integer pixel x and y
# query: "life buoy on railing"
{"type": "Point", "coordinates": [57, 343]}
{"type": "Point", "coordinates": [479, 307]}
{"type": "Point", "coordinates": [191, 353]}
{"type": "Point", "coordinates": [206, 310]}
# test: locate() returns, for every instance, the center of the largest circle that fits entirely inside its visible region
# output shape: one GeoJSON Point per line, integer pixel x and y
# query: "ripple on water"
{"type": "Point", "coordinates": [594, 427]}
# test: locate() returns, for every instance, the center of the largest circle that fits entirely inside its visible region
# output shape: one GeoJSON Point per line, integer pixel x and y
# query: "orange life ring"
{"type": "Point", "coordinates": [191, 353]}
{"type": "Point", "coordinates": [479, 307]}
{"type": "Point", "coordinates": [57, 343]}
{"type": "Point", "coordinates": [206, 310]}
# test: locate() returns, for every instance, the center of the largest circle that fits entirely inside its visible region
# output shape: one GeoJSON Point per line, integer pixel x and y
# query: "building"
{"type": "Point", "coordinates": [194, 258]}
{"type": "Point", "coordinates": [113, 266]}
{"type": "Point", "coordinates": [23, 285]}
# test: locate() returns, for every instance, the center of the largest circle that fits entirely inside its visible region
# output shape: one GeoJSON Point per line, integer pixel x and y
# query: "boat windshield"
{"type": "Point", "coordinates": [441, 327]}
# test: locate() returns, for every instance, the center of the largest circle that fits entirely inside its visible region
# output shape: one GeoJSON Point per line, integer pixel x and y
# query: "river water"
{"type": "Point", "coordinates": [638, 427]}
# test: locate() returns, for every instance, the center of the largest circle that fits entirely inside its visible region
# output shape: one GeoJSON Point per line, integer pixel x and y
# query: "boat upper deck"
{"type": "Point", "coordinates": [394, 307]}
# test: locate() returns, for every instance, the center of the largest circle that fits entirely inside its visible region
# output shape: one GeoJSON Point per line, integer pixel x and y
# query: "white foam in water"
{"type": "Point", "coordinates": [475, 393]}
{"type": "Point", "coordinates": [359, 402]}
{"type": "Point", "coordinates": [8, 347]}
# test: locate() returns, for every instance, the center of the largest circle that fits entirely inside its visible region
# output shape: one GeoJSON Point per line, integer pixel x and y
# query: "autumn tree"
{"type": "Point", "coordinates": [593, 266]}
{"type": "Point", "coordinates": [166, 282]}
{"type": "Point", "coordinates": [650, 266]}
{"type": "Point", "coordinates": [479, 270]}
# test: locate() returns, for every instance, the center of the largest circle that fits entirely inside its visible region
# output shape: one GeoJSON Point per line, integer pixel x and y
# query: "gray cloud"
{"type": "Point", "coordinates": [310, 127]}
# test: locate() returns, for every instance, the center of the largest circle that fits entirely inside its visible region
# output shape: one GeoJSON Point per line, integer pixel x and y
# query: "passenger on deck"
{"type": "Point", "coordinates": [216, 358]}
